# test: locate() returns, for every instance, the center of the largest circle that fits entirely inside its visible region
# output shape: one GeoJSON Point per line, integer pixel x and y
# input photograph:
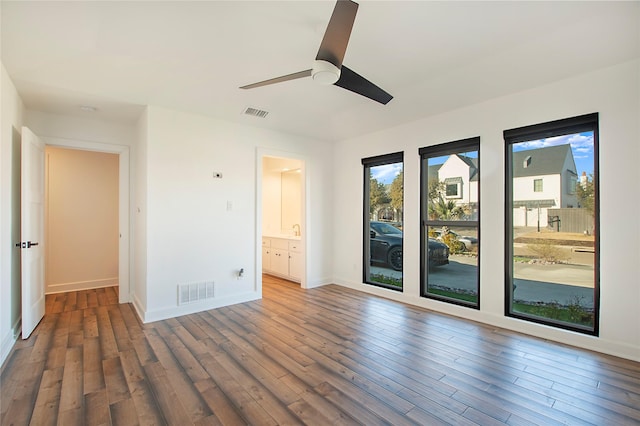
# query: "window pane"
{"type": "Point", "coordinates": [384, 223]}
{"type": "Point", "coordinates": [452, 190]}
{"type": "Point", "coordinates": [450, 213]}
{"type": "Point", "coordinates": [537, 185]}
{"type": "Point", "coordinates": [453, 186]}
{"type": "Point", "coordinates": [452, 263]}
{"type": "Point", "coordinates": [552, 248]}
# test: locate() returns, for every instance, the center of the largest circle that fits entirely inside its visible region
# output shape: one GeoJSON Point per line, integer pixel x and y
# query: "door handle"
{"type": "Point", "coordinates": [29, 244]}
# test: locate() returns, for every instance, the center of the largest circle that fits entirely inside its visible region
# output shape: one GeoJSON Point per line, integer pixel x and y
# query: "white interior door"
{"type": "Point", "coordinates": [32, 231]}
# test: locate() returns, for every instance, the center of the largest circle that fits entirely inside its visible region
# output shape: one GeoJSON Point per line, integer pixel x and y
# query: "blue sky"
{"type": "Point", "coordinates": [387, 173]}
{"type": "Point", "coordinates": [581, 147]}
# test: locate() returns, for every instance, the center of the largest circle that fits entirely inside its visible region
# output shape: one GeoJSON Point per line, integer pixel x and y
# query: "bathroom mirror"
{"type": "Point", "coordinates": [291, 201]}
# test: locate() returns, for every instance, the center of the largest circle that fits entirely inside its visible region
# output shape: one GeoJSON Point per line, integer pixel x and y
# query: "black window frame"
{"type": "Point", "coordinates": [565, 126]}
{"type": "Point", "coordinates": [447, 148]}
{"type": "Point", "coordinates": [379, 160]}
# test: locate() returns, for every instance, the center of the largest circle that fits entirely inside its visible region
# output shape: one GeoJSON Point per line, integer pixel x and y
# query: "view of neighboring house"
{"type": "Point", "coordinates": [460, 177]}
{"type": "Point", "coordinates": [543, 178]}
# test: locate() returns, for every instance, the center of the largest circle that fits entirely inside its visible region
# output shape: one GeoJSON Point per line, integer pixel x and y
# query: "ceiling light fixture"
{"type": "Point", "coordinates": [324, 72]}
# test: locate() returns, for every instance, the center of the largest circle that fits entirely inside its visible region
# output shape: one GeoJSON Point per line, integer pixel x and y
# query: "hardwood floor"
{"type": "Point", "coordinates": [324, 356]}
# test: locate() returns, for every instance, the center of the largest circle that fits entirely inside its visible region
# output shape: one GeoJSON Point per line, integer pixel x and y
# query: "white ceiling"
{"type": "Point", "coordinates": [192, 56]}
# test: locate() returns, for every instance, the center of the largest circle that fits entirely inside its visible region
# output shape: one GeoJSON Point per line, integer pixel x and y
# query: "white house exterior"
{"type": "Point", "coordinates": [543, 178]}
{"type": "Point", "coordinates": [460, 177]}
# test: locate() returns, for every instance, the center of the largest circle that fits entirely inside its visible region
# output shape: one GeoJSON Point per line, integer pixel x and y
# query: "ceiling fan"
{"type": "Point", "coordinates": [328, 67]}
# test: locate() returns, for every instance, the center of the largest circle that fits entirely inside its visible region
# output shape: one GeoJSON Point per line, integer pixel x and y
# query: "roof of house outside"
{"type": "Point", "coordinates": [471, 162]}
{"type": "Point", "coordinates": [542, 161]}
{"type": "Point", "coordinates": [473, 167]}
{"type": "Point", "coordinates": [432, 171]}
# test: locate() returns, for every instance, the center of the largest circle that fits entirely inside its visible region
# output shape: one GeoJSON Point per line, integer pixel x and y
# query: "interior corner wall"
{"type": "Point", "coordinates": [11, 121]}
{"type": "Point", "coordinates": [613, 93]}
{"type": "Point", "coordinates": [201, 229]}
{"type": "Point", "coordinates": [139, 217]}
{"type": "Point", "coordinates": [81, 219]}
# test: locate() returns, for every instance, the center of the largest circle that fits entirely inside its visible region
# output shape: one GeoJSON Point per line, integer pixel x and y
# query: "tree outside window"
{"type": "Point", "coordinates": [383, 221]}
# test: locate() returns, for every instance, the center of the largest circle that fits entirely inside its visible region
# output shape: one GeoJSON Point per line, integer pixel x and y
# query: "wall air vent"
{"type": "Point", "coordinates": [189, 293]}
{"type": "Point", "coordinates": [256, 112]}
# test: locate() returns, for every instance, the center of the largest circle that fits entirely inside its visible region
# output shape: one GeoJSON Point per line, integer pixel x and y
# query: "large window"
{"type": "Point", "coordinates": [450, 208]}
{"type": "Point", "coordinates": [552, 229]}
{"type": "Point", "coordinates": [383, 220]}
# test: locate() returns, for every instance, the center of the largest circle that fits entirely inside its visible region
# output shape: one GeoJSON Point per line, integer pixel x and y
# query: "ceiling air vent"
{"type": "Point", "coordinates": [256, 112]}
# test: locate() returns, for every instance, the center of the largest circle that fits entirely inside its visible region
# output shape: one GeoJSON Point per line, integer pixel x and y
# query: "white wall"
{"type": "Point", "coordinates": [139, 216]}
{"type": "Point", "coordinates": [203, 229]}
{"type": "Point", "coordinates": [81, 219]}
{"type": "Point", "coordinates": [77, 128]}
{"type": "Point", "coordinates": [614, 93]}
{"type": "Point", "coordinates": [11, 120]}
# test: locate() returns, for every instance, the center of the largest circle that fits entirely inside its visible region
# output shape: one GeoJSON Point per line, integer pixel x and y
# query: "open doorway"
{"type": "Point", "coordinates": [282, 216]}
{"type": "Point", "coordinates": [121, 154]}
{"type": "Point", "coordinates": [28, 173]}
{"type": "Point", "coordinates": [81, 219]}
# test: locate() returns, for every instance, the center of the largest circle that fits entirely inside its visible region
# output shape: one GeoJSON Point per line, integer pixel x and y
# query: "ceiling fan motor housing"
{"type": "Point", "coordinates": [324, 72]}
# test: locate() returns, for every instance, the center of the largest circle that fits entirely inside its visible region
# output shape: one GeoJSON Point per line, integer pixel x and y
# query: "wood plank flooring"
{"type": "Point", "coordinates": [321, 357]}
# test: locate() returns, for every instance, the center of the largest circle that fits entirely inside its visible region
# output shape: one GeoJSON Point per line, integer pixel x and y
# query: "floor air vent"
{"type": "Point", "coordinates": [189, 293]}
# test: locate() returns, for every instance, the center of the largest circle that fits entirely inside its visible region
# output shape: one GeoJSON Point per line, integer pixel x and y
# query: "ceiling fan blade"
{"type": "Point", "coordinates": [354, 82]}
{"type": "Point", "coordinates": [295, 75]}
{"type": "Point", "coordinates": [336, 37]}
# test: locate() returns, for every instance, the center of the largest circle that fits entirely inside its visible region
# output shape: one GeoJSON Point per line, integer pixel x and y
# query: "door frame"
{"type": "Point", "coordinates": [267, 152]}
{"type": "Point", "coordinates": [124, 267]}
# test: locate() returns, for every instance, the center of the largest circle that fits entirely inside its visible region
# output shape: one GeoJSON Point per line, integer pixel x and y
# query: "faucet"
{"type": "Point", "coordinates": [296, 232]}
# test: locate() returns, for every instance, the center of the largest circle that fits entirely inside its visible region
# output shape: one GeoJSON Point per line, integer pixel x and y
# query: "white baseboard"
{"type": "Point", "coordinates": [139, 307]}
{"type": "Point", "coordinates": [81, 285]}
{"type": "Point", "coordinates": [8, 341]}
{"type": "Point", "coordinates": [192, 308]}
{"type": "Point", "coordinates": [319, 283]}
